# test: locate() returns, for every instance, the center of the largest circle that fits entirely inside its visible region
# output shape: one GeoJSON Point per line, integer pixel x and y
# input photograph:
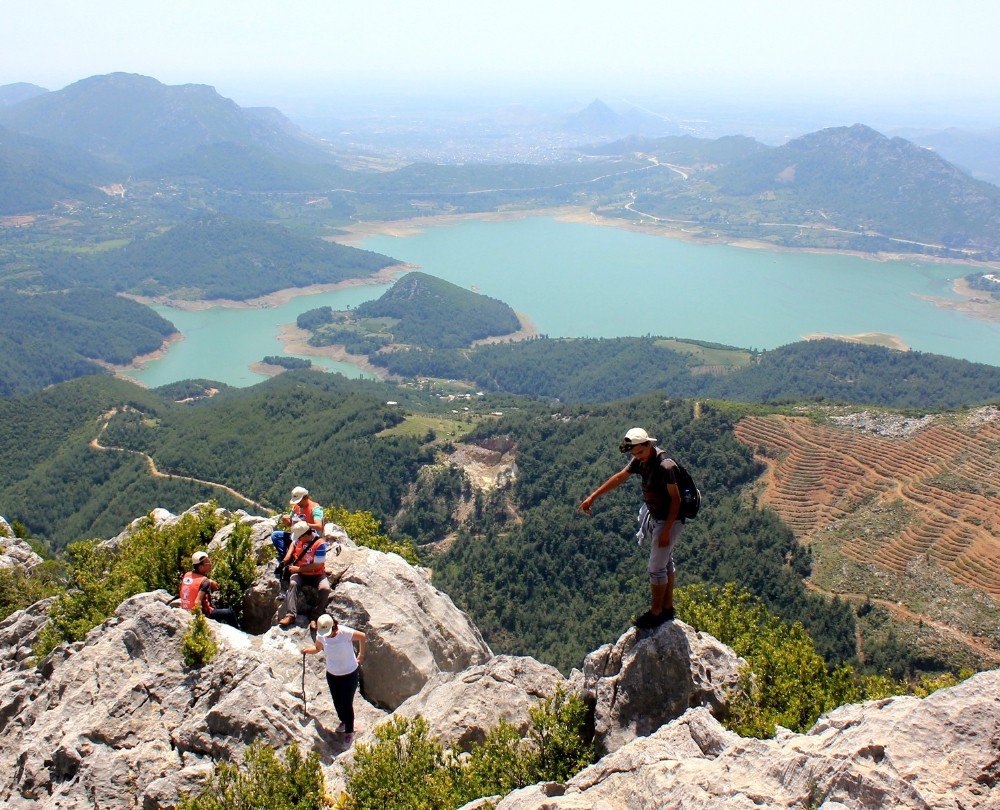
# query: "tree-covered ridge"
{"type": "Point", "coordinates": [301, 428]}
{"type": "Point", "coordinates": [50, 337]}
{"type": "Point", "coordinates": [424, 311]}
{"type": "Point", "coordinates": [215, 257]}
{"type": "Point", "coordinates": [64, 489]}
{"type": "Point", "coordinates": [35, 174]}
{"type": "Point", "coordinates": [579, 579]}
{"type": "Point", "coordinates": [602, 369]}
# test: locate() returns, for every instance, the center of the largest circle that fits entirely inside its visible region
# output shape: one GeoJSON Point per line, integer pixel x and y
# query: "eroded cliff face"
{"type": "Point", "coordinates": [119, 721]}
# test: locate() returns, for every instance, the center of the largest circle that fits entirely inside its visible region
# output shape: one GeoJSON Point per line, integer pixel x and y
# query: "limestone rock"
{"type": "Point", "coordinates": [648, 678]}
{"type": "Point", "coordinates": [462, 708]}
{"type": "Point", "coordinates": [939, 752]}
{"type": "Point", "coordinates": [414, 631]}
{"type": "Point", "coordinates": [15, 552]}
{"type": "Point", "coordinates": [18, 634]}
{"type": "Point", "coordinates": [106, 721]}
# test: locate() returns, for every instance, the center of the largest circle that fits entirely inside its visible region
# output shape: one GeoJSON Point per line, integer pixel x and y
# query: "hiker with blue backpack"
{"type": "Point", "coordinates": [669, 497]}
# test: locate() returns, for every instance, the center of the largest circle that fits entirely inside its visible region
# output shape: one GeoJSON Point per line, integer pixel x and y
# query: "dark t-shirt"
{"type": "Point", "coordinates": [656, 474]}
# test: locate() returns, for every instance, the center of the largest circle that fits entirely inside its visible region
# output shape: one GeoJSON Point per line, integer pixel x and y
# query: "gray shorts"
{"type": "Point", "coordinates": [661, 558]}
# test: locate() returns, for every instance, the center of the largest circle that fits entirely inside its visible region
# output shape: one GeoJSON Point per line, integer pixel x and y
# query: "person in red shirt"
{"type": "Point", "coordinates": [305, 561]}
{"type": "Point", "coordinates": [197, 589]}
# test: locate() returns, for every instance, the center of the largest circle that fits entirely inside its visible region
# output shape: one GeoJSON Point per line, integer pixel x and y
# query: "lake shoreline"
{"type": "Point", "coordinates": [387, 275]}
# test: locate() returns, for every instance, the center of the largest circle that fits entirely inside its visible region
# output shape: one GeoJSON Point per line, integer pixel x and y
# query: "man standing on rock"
{"type": "Point", "coordinates": [658, 517]}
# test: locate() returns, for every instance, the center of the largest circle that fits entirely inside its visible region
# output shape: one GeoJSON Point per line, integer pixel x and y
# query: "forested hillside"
{"type": "Point", "coordinates": [60, 487]}
{"type": "Point", "coordinates": [35, 174]}
{"type": "Point", "coordinates": [596, 370]}
{"type": "Point", "coordinates": [433, 312]}
{"type": "Point", "coordinates": [214, 257]}
{"type": "Point", "coordinates": [302, 428]}
{"type": "Point", "coordinates": [48, 338]}
{"type": "Point", "coordinates": [579, 579]}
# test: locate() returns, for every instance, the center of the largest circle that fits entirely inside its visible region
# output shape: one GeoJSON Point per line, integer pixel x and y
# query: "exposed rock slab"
{"type": "Point", "coordinates": [648, 678]}
{"type": "Point", "coordinates": [939, 752]}
{"type": "Point", "coordinates": [462, 708]}
{"type": "Point", "coordinates": [414, 631]}
{"type": "Point", "coordinates": [104, 722]}
{"type": "Point", "coordinates": [15, 552]}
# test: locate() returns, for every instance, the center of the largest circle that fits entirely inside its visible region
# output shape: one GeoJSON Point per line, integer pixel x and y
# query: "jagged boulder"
{"type": "Point", "coordinates": [462, 708]}
{"type": "Point", "coordinates": [414, 630]}
{"type": "Point", "coordinates": [15, 552]}
{"type": "Point", "coordinates": [118, 718]}
{"type": "Point", "coordinates": [648, 678]}
{"type": "Point", "coordinates": [939, 752]}
{"type": "Point", "coordinates": [18, 633]}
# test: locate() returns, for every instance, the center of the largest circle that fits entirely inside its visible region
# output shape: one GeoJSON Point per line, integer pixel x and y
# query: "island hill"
{"type": "Point", "coordinates": [419, 310]}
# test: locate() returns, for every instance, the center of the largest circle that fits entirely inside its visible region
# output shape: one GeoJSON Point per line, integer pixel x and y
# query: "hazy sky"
{"type": "Point", "coordinates": [916, 51]}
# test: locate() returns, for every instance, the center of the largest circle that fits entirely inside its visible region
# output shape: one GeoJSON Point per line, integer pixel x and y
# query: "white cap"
{"type": "Point", "coordinates": [298, 494]}
{"type": "Point", "coordinates": [198, 558]}
{"type": "Point", "coordinates": [638, 436]}
{"type": "Point", "coordinates": [299, 528]}
{"type": "Point", "coordinates": [324, 625]}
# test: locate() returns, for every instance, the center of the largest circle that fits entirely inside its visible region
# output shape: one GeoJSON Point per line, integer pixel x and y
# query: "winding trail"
{"type": "Point", "coordinates": [154, 471]}
{"type": "Point", "coordinates": [988, 652]}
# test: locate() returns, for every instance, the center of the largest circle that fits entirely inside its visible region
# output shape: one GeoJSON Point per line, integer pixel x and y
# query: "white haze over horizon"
{"type": "Point", "coordinates": [904, 62]}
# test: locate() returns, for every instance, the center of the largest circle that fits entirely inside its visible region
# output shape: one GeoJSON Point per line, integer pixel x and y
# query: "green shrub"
{"type": "Point", "coordinates": [198, 644]}
{"type": "Point", "coordinates": [235, 568]}
{"type": "Point", "coordinates": [264, 782]}
{"type": "Point", "coordinates": [365, 530]}
{"type": "Point", "coordinates": [151, 557]}
{"type": "Point", "coordinates": [786, 682]}
{"type": "Point", "coordinates": [19, 588]}
{"type": "Point", "coordinates": [406, 767]}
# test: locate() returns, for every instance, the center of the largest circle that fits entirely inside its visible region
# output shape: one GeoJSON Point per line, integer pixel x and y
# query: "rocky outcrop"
{"type": "Point", "coordinates": [648, 678]}
{"type": "Point", "coordinates": [15, 552]}
{"type": "Point", "coordinates": [939, 752]}
{"type": "Point", "coordinates": [414, 631]}
{"type": "Point", "coordinates": [462, 708]}
{"type": "Point", "coordinates": [119, 718]}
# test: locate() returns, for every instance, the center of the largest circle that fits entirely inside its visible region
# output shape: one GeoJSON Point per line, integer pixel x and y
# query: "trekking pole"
{"type": "Point", "coordinates": [304, 710]}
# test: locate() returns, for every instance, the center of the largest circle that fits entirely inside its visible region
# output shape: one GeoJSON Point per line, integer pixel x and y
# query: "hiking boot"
{"type": "Point", "coordinates": [666, 616]}
{"type": "Point", "coordinates": [287, 620]}
{"type": "Point", "coordinates": [341, 728]}
{"type": "Point", "coordinates": [646, 620]}
{"type": "Point", "coordinates": [348, 738]}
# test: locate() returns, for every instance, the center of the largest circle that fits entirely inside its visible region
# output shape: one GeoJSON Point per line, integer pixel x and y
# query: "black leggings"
{"type": "Point", "coordinates": [342, 689]}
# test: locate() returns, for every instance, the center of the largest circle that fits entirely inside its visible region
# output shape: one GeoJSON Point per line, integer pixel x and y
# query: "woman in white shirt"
{"type": "Point", "coordinates": [342, 666]}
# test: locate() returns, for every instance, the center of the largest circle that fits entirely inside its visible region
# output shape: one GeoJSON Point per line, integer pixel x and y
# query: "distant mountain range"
{"type": "Point", "coordinates": [11, 94]}
{"type": "Point", "coordinates": [136, 121]}
{"type": "Point", "coordinates": [847, 183]}
{"type": "Point", "coordinates": [975, 151]}
{"type": "Point", "coordinates": [597, 119]}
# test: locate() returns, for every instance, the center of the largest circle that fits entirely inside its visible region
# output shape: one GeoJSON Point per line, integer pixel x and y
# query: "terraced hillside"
{"type": "Point", "coordinates": [896, 493]}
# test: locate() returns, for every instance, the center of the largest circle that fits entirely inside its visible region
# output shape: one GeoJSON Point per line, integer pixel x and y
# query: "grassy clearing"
{"type": "Point", "coordinates": [703, 355]}
{"type": "Point", "coordinates": [444, 428]}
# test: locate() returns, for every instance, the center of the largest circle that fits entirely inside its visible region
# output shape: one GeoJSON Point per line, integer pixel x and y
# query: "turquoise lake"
{"type": "Point", "coordinates": [575, 280]}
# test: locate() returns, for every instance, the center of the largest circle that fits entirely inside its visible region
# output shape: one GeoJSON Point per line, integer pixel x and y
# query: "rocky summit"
{"type": "Point", "coordinates": [119, 721]}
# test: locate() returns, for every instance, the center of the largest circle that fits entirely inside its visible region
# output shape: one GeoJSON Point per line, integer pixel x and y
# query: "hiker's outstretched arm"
{"type": "Point", "coordinates": [613, 482]}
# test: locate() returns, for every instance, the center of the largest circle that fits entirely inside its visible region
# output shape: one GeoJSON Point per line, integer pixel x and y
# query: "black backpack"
{"type": "Point", "coordinates": [690, 494]}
